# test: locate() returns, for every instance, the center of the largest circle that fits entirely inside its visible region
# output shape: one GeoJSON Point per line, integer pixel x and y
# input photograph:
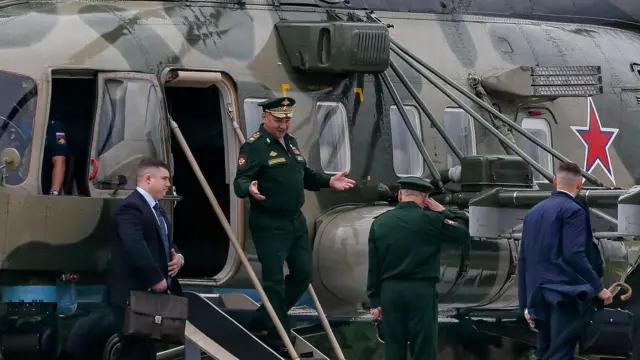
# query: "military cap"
{"type": "Point", "coordinates": [415, 183]}
{"type": "Point", "coordinates": [281, 107]}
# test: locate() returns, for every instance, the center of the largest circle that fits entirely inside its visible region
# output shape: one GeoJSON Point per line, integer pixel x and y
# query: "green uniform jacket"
{"type": "Point", "coordinates": [282, 174]}
{"type": "Point", "coordinates": [405, 244]}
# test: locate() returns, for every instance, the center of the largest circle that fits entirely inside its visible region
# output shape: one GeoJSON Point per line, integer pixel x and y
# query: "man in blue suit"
{"type": "Point", "coordinates": [143, 255]}
{"type": "Point", "coordinates": [559, 267]}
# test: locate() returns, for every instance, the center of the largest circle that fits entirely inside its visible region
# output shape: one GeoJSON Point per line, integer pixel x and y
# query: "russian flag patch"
{"type": "Point", "coordinates": [61, 138]}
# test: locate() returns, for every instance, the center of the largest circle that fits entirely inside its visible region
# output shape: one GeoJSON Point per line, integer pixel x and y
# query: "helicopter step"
{"type": "Point", "coordinates": [224, 318]}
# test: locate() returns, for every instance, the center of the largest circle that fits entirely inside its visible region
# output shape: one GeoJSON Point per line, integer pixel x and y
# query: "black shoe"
{"type": "Point", "coordinates": [282, 352]}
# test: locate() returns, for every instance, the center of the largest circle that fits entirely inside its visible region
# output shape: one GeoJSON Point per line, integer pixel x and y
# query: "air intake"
{"type": "Point", "coordinates": [547, 81]}
{"type": "Point", "coordinates": [336, 47]}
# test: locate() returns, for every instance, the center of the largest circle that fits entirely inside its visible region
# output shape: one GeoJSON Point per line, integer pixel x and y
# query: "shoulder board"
{"type": "Point", "coordinates": [253, 137]}
{"type": "Point", "coordinates": [450, 222]}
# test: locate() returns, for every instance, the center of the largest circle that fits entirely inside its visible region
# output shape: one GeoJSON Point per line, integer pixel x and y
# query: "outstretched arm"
{"type": "Point", "coordinates": [314, 181]}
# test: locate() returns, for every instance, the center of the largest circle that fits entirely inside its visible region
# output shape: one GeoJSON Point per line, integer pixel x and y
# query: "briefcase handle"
{"type": "Point", "coordinates": [625, 286]}
{"type": "Point", "coordinates": [163, 292]}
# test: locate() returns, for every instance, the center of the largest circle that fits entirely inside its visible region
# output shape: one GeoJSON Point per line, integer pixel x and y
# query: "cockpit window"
{"type": "Point", "coordinates": [19, 96]}
{"type": "Point", "coordinates": [130, 128]}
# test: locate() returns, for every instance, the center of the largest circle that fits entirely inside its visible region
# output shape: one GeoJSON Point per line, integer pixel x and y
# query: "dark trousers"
{"type": "Point", "coordinates": [132, 347]}
{"type": "Point", "coordinates": [278, 240]}
{"type": "Point", "coordinates": [559, 318]}
{"type": "Point", "coordinates": [409, 319]}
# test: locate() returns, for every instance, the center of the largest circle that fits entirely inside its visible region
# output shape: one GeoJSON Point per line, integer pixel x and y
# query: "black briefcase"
{"type": "Point", "coordinates": [156, 316]}
{"type": "Point", "coordinates": [608, 334]}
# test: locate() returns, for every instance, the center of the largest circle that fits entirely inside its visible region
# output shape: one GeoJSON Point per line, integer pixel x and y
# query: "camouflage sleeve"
{"type": "Point", "coordinates": [455, 227]}
{"type": "Point", "coordinates": [314, 181]}
{"type": "Point", "coordinates": [248, 166]}
{"type": "Point", "coordinates": [373, 278]}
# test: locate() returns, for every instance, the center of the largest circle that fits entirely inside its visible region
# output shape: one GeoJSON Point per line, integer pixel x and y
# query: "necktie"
{"type": "Point", "coordinates": [165, 235]}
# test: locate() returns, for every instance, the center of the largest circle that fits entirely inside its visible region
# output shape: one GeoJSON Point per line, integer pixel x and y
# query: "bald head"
{"type": "Point", "coordinates": [568, 178]}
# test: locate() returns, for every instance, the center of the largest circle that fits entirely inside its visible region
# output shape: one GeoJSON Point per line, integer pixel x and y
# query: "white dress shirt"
{"type": "Point", "coordinates": [566, 192]}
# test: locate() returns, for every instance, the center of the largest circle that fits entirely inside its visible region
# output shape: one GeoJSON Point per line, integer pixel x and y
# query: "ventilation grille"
{"type": "Point", "coordinates": [371, 47]}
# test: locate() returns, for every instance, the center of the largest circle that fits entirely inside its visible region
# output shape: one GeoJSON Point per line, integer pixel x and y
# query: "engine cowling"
{"type": "Point", "coordinates": [475, 276]}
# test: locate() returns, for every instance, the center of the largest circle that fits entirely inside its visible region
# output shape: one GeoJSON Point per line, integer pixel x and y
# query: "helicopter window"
{"type": "Point", "coordinates": [539, 128]}
{"type": "Point", "coordinates": [335, 153]}
{"type": "Point", "coordinates": [407, 160]}
{"type": "Point", "coordinates": [130, 128]}
{"type": "Point", "coordinates": [459, 126]}
{"type": "Point", "coordinates": [252, 115]}
{"type": "Point", "coordinates": [17, 114]}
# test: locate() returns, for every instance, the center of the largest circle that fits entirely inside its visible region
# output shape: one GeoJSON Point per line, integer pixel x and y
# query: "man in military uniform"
{"type": "Point", "coordinates": [404, 268]}
{"type": "Point", "coordinates": [54, 158]}
{"type": "Point", "coordinates": [273, 172]}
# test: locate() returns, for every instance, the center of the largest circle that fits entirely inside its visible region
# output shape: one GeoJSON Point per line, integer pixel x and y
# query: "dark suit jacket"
{"type": "Point", "coordinates": [558, 261]}
{"type": "Point", "coordinates": [138, 260]}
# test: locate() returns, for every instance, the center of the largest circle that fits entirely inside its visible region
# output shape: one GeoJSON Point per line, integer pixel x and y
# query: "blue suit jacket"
{"type": "Point", "coordinates": [558, 261]}
{"type": "Point", "coordinates": [138, 259]}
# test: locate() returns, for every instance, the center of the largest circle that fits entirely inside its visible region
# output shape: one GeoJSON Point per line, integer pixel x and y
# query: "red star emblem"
{"type": "Point", "coordinates": [597, 140]}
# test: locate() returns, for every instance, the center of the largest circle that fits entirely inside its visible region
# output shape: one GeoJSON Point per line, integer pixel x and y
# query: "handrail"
{"type": "Point", "coordinates": [312, 293]}
{"type": "Point", "coordinates": [412, 132]}
{"type": "Point", "coordinates": [401, 50]}
{"type": "Point", "coordinates": [407, 56]}
{"type": "Point", "coordinates": [232, 238]}
{"type": "Point", "coordinates": [547, 175]}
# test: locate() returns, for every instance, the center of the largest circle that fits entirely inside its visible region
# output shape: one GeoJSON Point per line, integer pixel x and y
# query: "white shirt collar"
{"type": "Point", "coordinates": [565, 191]}
{"type": "Point", "coordinates": [147, 197]}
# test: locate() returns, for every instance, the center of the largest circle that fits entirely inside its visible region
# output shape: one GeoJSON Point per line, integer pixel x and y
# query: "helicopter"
{"type": "Point", "coordinates": [484, 99]}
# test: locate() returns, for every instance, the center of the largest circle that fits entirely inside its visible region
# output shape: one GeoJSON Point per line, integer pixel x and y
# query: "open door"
{"type": "Point", "coordinates": [203, 105]}
{"type": "Point", "coordinates": [130, 124]}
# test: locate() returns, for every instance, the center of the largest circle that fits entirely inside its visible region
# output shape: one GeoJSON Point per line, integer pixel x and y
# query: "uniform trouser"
{"type": "Point", "coordinates": [409, 319]}
{"type": "Point", "coordinates": [559, 318]}
{"type": "Point", "coordinates": [278, 240]}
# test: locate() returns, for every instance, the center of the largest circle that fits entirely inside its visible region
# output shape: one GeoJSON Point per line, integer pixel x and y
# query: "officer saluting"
{"type": "Point", "coordinates": [274, 173]}
{"type": "Point", "coordinates": [404, 268]}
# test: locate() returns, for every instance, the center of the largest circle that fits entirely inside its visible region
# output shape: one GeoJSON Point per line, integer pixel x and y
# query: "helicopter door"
{"type": "Point", "coordinates": [130, 124]}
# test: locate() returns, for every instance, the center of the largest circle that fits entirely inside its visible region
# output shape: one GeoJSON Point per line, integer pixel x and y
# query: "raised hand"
{"type": "Point", "coordinates": [341, 182]}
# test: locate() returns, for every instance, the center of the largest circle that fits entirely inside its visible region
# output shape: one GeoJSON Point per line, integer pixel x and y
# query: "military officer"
{"type": "Point", "coordinates": [404, 268]}
{"type": "Point", "coordinates": [274, 173]}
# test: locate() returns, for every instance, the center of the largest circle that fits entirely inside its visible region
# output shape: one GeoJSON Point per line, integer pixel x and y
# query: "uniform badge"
{"type": "Point", "coordinates": [294, 149]}
{"type": "Point", "coordinates": [277, 161]}
{"type": "Point", "coordinates": [254, 137]}
{"type": "Point", "coordinates": [273, 153]}
{"type": "Point", "coordinates": [242, 161]}
{"type": "Point", "coordinates": [61, 138]}
{"type": "Point", "coordinates": [450, 222]}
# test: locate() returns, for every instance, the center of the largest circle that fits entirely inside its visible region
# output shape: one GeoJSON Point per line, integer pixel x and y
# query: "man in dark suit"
{"type": "Point", "coordinates": [143, 255]}
{"type": "Point", "coordinates": [559, 267]}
